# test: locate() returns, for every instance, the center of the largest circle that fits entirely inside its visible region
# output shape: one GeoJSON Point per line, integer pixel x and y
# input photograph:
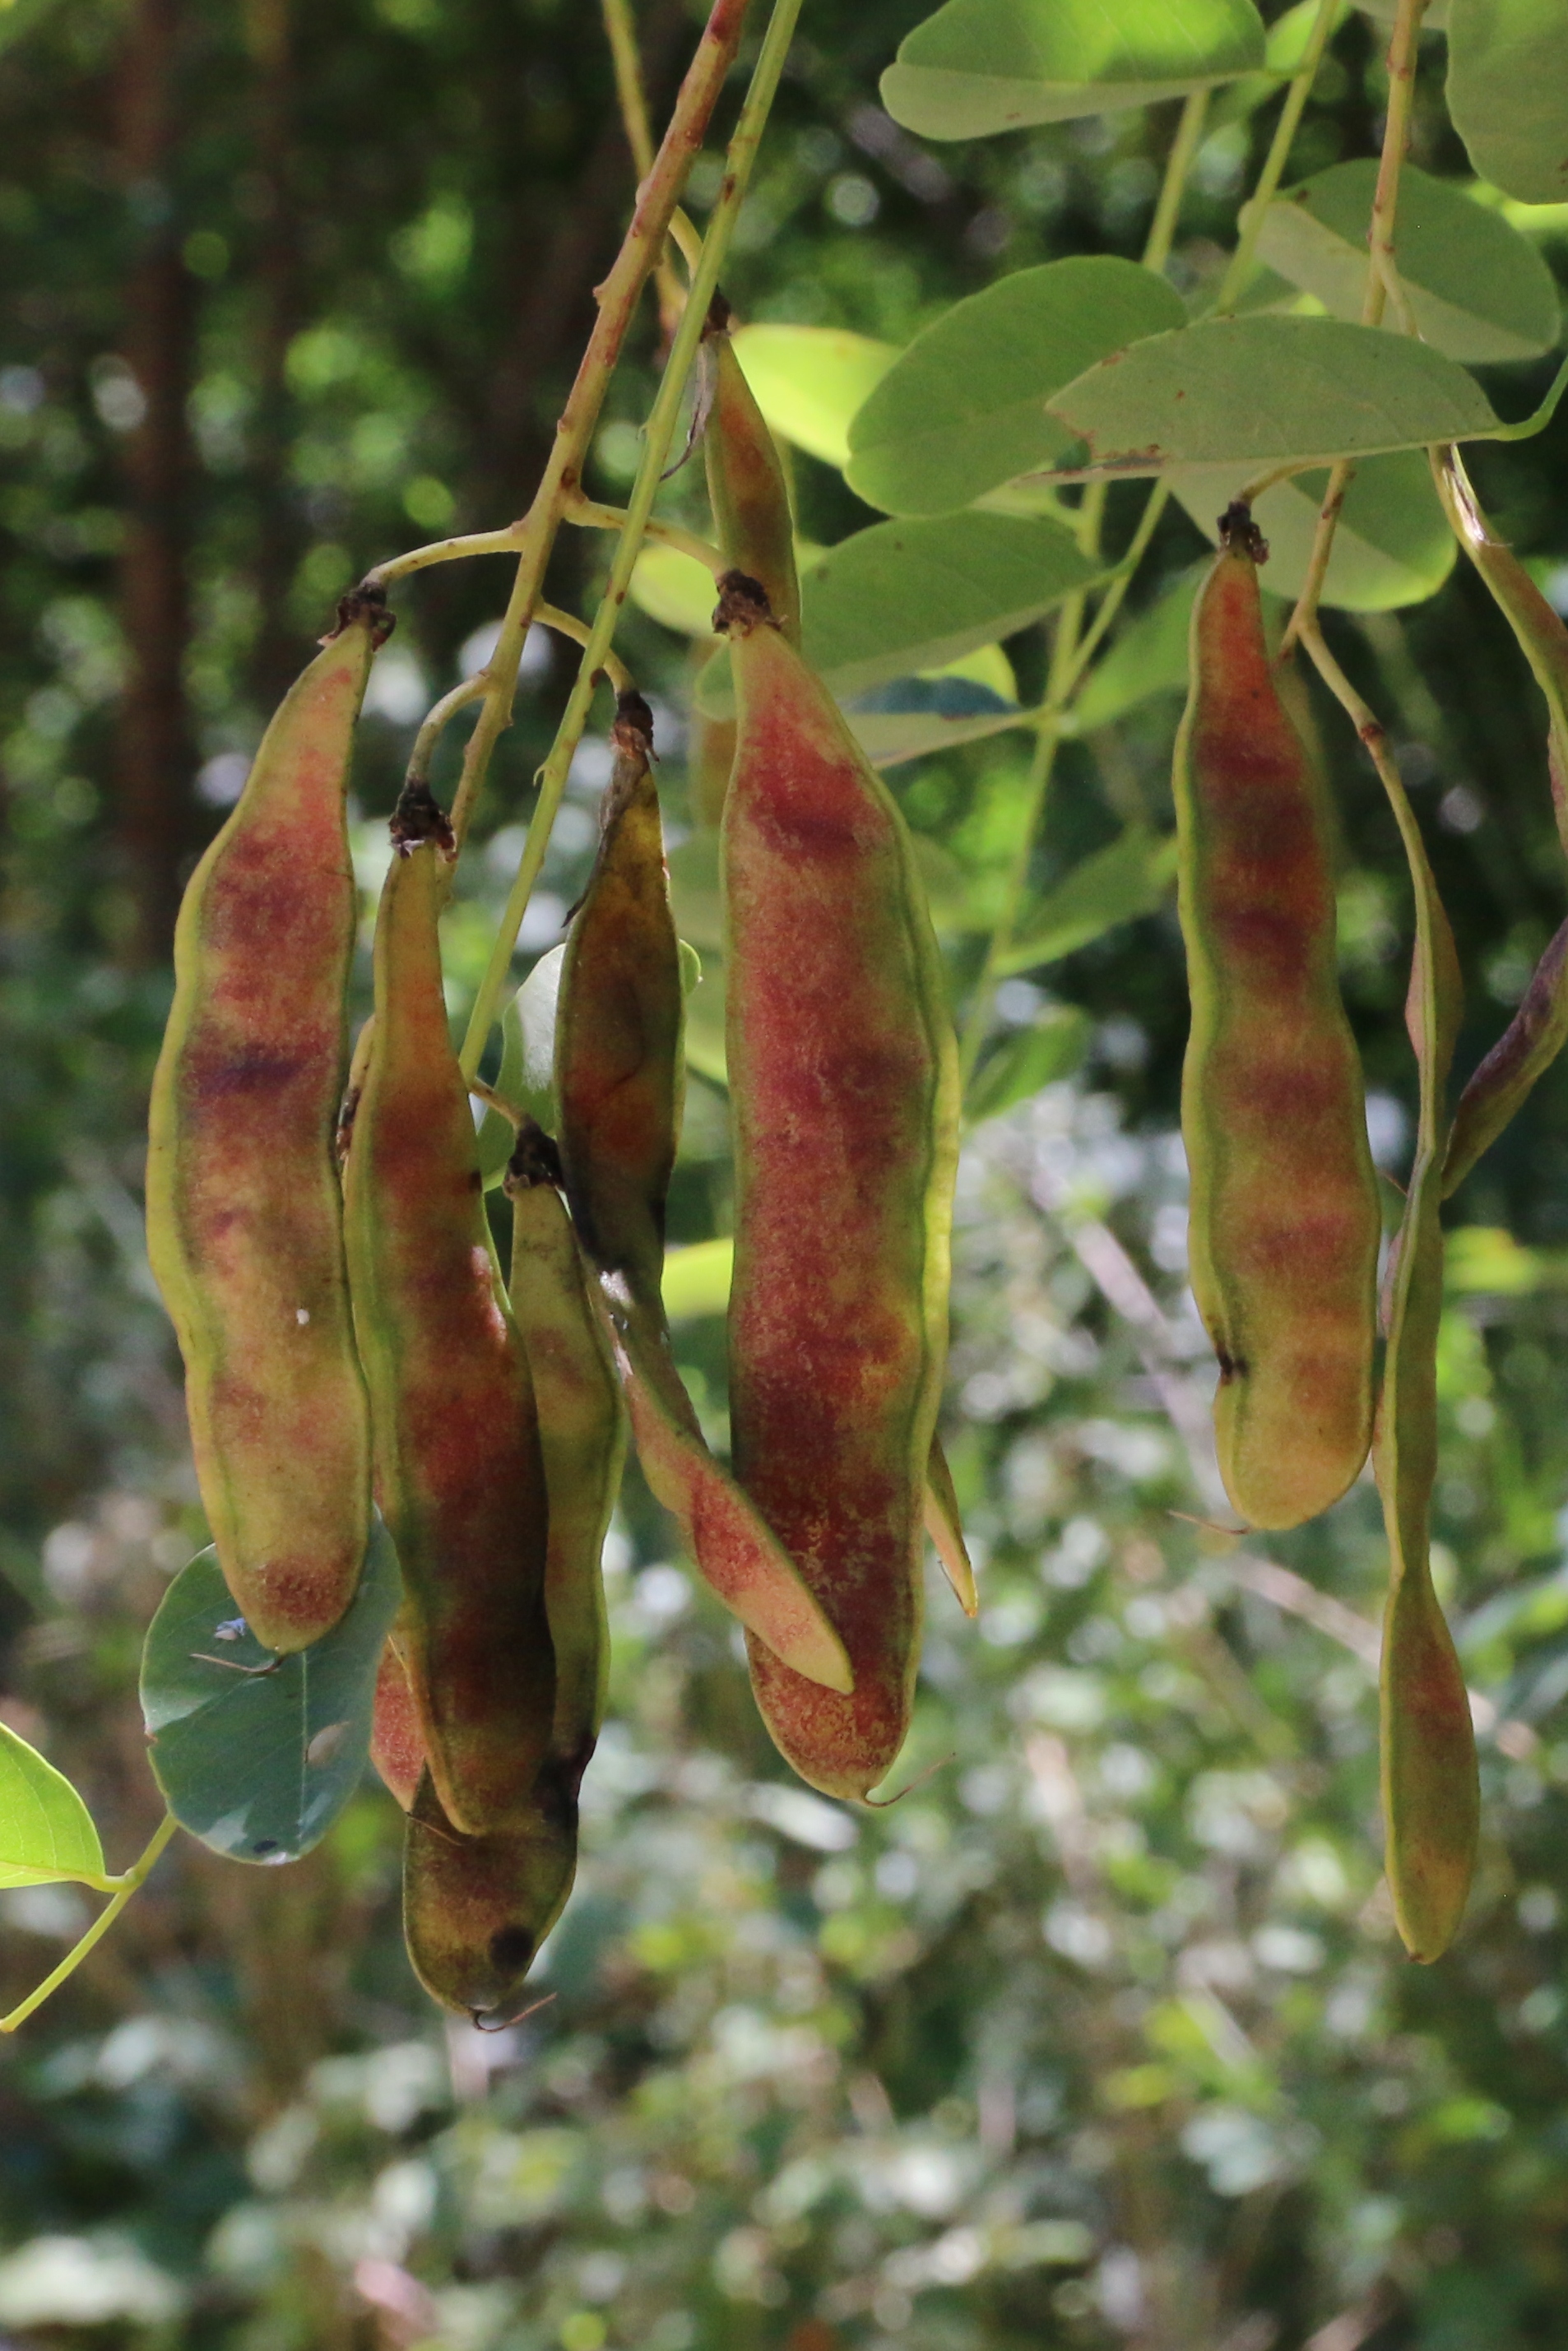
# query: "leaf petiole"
{"type": "Point", "coordinates": [123, 1889]}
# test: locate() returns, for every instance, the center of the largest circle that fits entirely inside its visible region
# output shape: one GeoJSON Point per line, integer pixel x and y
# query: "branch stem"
{"type": "Point", "coordinates": [135, 1877]}
{"type": "Point", "coordinates": [1238, 267]}
{"type": "Point", "coordinates": [658, 433]}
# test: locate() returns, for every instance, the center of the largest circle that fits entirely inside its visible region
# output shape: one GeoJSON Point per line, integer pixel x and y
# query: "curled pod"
{"type": "Point", "coordinates": [1284, 1220]}
{"type": "Point", "coordinates": [844, 1099]}
{"type": "Point", "coordinates": [619, 1072]}
{"type": "Point", "coordinates": [243, 1217]}
{"type": "Point", "coordinates": [459, 1472]}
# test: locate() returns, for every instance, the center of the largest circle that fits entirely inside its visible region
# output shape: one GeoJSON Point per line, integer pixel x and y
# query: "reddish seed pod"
{"type": "Point", "coordinates": [843, 1092]}
{"type": "Point", "coordinates": [459, 1472]}
{"type": "Point", "coordinates": [1284, 1224]}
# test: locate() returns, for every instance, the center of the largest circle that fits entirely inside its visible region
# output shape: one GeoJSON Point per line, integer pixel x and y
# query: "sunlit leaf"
{"type": "Point", "coordinates": [256, 1754]}
{"type": "Point", "coordinates": [674, 589]}
{"type": "Point", "coordinates": [810, 381]}
{"type": "Point", "coordinates": [982, 65]}
{"type": "Point", "coordinates": [46, 1831]}
{"type": "Point", "coordinates": [696, 1280]}
{"type": "Point", "coordinates": [1130, 877]}
{"type": "Point", "coordinates": [1476, 289]}
{"type": "Point", "coordinates": [1393, 545]}
{"type": "Point", "coordinates": [1262, 391]}
{"type": "Point", "coordinates": [1507, 93]}
{"type": "Point", "coordinates": [963, 409]}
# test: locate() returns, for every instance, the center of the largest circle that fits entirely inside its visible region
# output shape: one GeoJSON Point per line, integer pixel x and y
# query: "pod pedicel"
{"type": "Point", "coordinates": [618, 1085]}
{"type": "Point", "coordinates": [1284, 1223]}
{"type": "Point", "coordinates": [243, 1217]}
{"type": "Point", "coordinates": [459, 1473]}
{"type": "Point", "coordinates": [844, 1098]}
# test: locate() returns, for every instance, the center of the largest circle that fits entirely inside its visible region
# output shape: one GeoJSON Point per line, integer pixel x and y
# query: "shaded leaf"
{"type": "Point", "coordinates": [961, 411]}
{"type": "Point", "coordinates": [979, 67]}
{"type": "Point", "coordinates": [1130, 877]}
{"type": "Point", "coordinates": [810, 381]}
{"type": "Point", "coordinates": [1477, 288]}
{"type": "Point", "coordinates": [1507, 93]}
{"type": "Point", "coordinates": [1261, 392]}
{"type": "Point", "coordinates": [1051, 1047]}
{"type": "Point", "coordinates": [259, 1763]}
{"type": "Point", "coordinates": [46, 1831]}
{"type": "Point", "coordinates": [1393, 545]}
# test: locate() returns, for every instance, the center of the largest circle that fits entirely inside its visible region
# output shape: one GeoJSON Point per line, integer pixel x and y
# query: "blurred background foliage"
{"type": "Point", "coordinates": [1102, 2035]}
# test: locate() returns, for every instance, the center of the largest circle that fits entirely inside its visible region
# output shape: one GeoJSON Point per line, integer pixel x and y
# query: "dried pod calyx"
{"type": "Point", "coordinates": [419, 817]}
{"type": "Point", "coordinates": [742, 605]}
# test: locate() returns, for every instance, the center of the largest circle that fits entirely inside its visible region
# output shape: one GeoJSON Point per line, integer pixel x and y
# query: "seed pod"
{"type": "Point", "coordinates": [1284, 1223]}
{"type": "Point", "coordinates": [476, 1909]}
{"type": "Point", "coordinates": [244, 1220]}
{"type": "Point", "coordinates": [618, 1083]}
{"type": "Point", "coordinates": [458, 1468]}
{"type": "Point", "coordinates": [1525, 1051]}
{"type": "Point", "coordinates": [844, 1096]}
{"type": "Point", "coordinates": [746, 481]}
{"type": "Point", "coordinates": [397, 1749]}
{"type": "Point", "coordinates": [1430, 1796]}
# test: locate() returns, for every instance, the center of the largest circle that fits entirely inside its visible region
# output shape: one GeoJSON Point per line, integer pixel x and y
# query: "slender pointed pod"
{"type": "Point", "coordinates": [1525, 1051]}
{"type": "Point", "coordinates": [945, 1525]}
{"type": "Point", "coordinates": [459, 1472]}
{"type": "Point", "coordinates": [1284, 1220]}
{"type": "Point", "coordinates": [747, 488]}
{"type": "Point", "coordinates": [844, 1096]}
{"type": "Point", "coordinates": [1430, 1794]}
{"type": "Point", "coordinates": [1542, 637]}
{"type": "Point", "coordinates": [243, 1220]}
{"type": "Point", "coordinates": [619, 1074]}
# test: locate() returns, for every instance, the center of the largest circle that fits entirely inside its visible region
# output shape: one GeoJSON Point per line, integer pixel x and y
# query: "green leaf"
{"type": "Point", "coordinates": [908, 596]}
{"type": "Point", "coordinates": [1263, 392]}
{"type": "Point", "coordinates": [888, 738]}
{"type": "Point", "coordinates": [527, 1075]}
{"type": "Point", "coordinates": [979, 67]}
{"type": "Point", "coordinates": [46, 1831]}
{"type": "Point", "coordinates": [1393, 545]}
{"type": "Point", "coordinates": [1130, 877]}
{"type": "Point", "coordinates": [810, 381]}
{"type": "Point", "coordinates": [963, 409]}
{"type": "Point", "coordinates": [693, 890]}
{"type": "Point", "coordinates": [1051, 1048]}
{"type": "Point", "coordinates": [675, 589]}
{"type": "Point", "coordinates": [1149, 657]}
{"type": "Point", "coordinates": [256, 1755]}
{"type": "Point", "coordinates": [1507, 93]}
{"type": "Point", "coordinates": [1476, 289]}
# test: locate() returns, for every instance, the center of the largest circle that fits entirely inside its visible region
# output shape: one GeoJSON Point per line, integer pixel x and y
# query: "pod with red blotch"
{"type": "Point", "coordinates": [1284, 1224]}
{"type": "Point", "coordinates": [619, 1072]}
{"type": "Point", "coordinates": [243, 1217]}
{"type": "Point", "coordinates": [459, 1472]}
{"type": "Point", "coordinates": [844, 1098]}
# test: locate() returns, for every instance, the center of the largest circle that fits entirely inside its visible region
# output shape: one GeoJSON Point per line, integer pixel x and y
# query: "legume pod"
{"type": "Point", "coordinates": [459, 1472]}
{"type": "Point", "coordinates": [756, 530]}
{"type": "Point", "coordinates": [1430, 1796]}
{"type": "Point", "coordinates": [244, 1220]}
{"type": "Point", "coordinates": [476, 1910]}
{"type": "Point", "coordinates": [1284, 1222]}
{"type": "Point", "coordinates": [844, 1098]}
{"type": "Point", "coordinates": [1526, 1047]}
{"type": "Point", "coordinates": [619, 1072]}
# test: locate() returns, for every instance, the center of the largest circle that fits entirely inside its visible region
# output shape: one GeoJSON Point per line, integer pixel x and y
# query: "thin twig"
{"type": "Point", "coordinates": [618, 298]}
{"type": "Point", "coordinates": [1238, 266]}
{"type": "Point", "coordinates": [1380, 273]}
{"type": "Point", "coordinates": [622, 36]}
{"type": "Point", "coordinates": [658, 435]}
{"type": "Point", "coordinates": [592, 516]}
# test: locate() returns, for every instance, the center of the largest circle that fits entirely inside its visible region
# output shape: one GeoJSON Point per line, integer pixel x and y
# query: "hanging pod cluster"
{"type": "Point", "coordinates": [348, 1331]}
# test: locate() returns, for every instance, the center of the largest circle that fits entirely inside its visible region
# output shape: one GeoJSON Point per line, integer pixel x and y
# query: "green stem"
{"type": "Point", "coordinates": [135, 1877]}
{"type": "Point", "coordinates": [658, 435]}
{"type": "Point", "coordinates": [618, 298]}
{"type": "Point", "coordinates": [1178, 163]}
{"type": "Point", "coordinates": [1239, 266]}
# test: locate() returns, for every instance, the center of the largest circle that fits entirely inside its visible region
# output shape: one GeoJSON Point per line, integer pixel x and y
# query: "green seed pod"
{"type": "Point", "coordinates": [1284, 1225]}
{"type": "Point", "coordinates": [244, 1218]}
{"type": "Point", "coordinates": [459, 1472]}
{"type": "Point", "coordinates": [476, 1909]}
{"type": "Point", "coordinates": [618, 1069]}
{"type": "Point", "coordinates": [1430, 1795]}
{"type": "Point", "coordinates": [844, 1096]}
